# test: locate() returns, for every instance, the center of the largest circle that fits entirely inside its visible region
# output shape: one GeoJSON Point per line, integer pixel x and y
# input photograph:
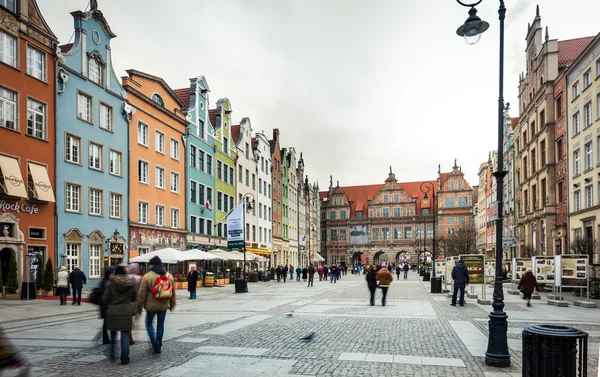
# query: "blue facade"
{"type": "Point", "coordinates": [200, 166]}
{"type": "Point", "coordinates": [92, 151]}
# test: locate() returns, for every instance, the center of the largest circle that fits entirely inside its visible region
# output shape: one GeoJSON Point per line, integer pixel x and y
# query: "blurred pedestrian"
{"type": "Point", "coordinates": [460, 276]}
{"type": "Point", "coordinates": [304, 273]}
{"type": "Point", "coordinates": [192, 280]}
{"type": "Point", "coordinates": [385, 280]}
{"type": "Point", "coordinates": [371, 279]}
{"type": "Point", "coordinates": [398, 272]}
{"type": "Point", "coordinates": [62, 284]}
{"type": "Point", "coordinates": [11, 359]}
{"type": "Point", "coordinates": [298, 273]}
{"type": "Point", "coordinates": [77, 280]}
{"type": "Point", "coordinates": [311, 275]}
{"type": "Point", "coordinates": [156, 295]}
{"type": "Point", "coordinates": [119, 295]}
{"type": "Point", "coordinates": [135, 272]}
{"type": "Point", "coordinates": [405, 268]}
{"type": "Point", "coordinates": [320, 272]}
{"type": "Point", "coordinates": [527, 285]}
{"type": "Point", "coordinates": [291, 272]}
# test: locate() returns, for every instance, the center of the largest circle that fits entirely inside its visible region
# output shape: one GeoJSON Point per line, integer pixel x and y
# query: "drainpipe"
{"type": "Point", "coordinates": [56, 161]}
{"type": "Point", "coordinates": [185, 141]}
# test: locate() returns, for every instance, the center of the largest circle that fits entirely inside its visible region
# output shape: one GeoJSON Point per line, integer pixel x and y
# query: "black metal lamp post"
{"type": "Point", "coordinates": [427, 187]}
{"type": "Point", "coordinates": [497, 352]}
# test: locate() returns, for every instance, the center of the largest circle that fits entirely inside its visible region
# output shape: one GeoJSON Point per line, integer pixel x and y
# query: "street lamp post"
{"type": "Point", "coordinates": [497, 352]}
{"type": "Point", "coordinates": [427, 187]}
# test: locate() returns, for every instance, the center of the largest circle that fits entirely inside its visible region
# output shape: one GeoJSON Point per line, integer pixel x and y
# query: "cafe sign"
{"type": "Point", "coordinates": [30, 209]}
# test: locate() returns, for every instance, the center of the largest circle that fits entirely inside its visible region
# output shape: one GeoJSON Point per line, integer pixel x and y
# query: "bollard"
{"type": "Point", "coordinates": [554, 351]}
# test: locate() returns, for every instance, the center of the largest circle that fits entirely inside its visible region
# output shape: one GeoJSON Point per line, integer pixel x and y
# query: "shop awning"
{"type": "Point", "coordinates": [41, 182]}
{"type": "Point", "coordinates": [258, 251]}
{"type": "Point", "coordinates": [11, 180]}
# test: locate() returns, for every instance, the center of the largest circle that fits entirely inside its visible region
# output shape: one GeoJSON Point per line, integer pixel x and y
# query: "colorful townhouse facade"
{"type": "Point", "coordinates": [509, 233]}
{"type": "Point", "coordinates": [199, 171]}
{"type": "Point", "coordinates": [92, 141]}
{"type": "Point", "coordinates": [277, 194]}
{"type": "Point", "coordinates": [292, 205]}
{"type": "Point", "coordinates": [157, 163]}
{"type": "Point", "coordinates": [583, 111]}
{"type": "Point", "coordinates": [285, 209]}
{"type": "Point", "coordinates": [264, 167]}
{"type": "Point", "coordinates": [561, 234]}
{"type": "Point", "coordinates": [454, 203]}
{"type": "Point", "coordinates": [27, 135]}
{"type": "Point", "coordinates": [225, 155]}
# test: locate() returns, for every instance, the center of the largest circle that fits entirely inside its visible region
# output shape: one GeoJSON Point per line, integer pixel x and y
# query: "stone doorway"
{"type": "Point", "coordinates": [5, 255]}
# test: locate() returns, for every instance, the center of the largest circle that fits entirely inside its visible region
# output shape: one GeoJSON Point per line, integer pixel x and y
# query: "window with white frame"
{"type": "Point", "coordinates": [8, 49]}
{"type": "Point", "coordinates": [576, 126]}
{"type": "Point", "coordinates": [116, 201]}
{"type": "Point", "coordinates": [575, 89]}
{"type": "Point", "coordinates": [72, 253]}
{"type": "Point", "coordinates": [174, 218]}
{"type": "Point", "coordinates": [598, 106]}
{"type": "Point", "coordinates": [193, 153]}
{"type": "Point", "coordinates": [95, 156]}
{"type": "Point", "coordinates": [200, 160]}
{"type": "Point", "coordinates": [95, 71]}
{"type": "Point", "coordinates": [106, 115]}
{"type": "Point", "coordinates": [576, 163]}
{"type": "Point", "coordinates": [598, 68]}
{"type": "Point", "coordinates": [174, 182]}
{"type": "Point", "coordinates": [36, 119]}
{"type": "Point", "coordinates": [95, 205]}
{"type": "Point", "coordinates": [11, 5]}
{"type": "Point", "coordinates": [158, 99]}
{"type": "Point", "coordinates": [160, 215]}
{"type": "Point", "coordinates": [589, 156]}
{"type": "Point", "coordinates": [159, 177]}
{"type": "Point", "coordinates": [577, 200]}
{"type": "Point", "coordinates": [95, 254]}
{"type": "Point", "coordinates": [174, 149]}
{"type": "Point", "coordinates": [587, 78]}
{"type": "Point", "coordinates": [143, 250]}
{"type": "Point", "coordinates": [193, 191]}
{"type": "Point", "coordinates": [115, 162]}
{"type": "Point", "coordinates": [84, 107]}
{"type": "Point", "coordinates": [589, 196]}
{"type": "Point", "coordinates": [8, 109]}
{"type": "Point", "coordinates": [142, 172]}
{"type": "Point", "coordinates": [36, 63]}
{"type": "Point", "coordinates": [587, 114]}
{"type": "Point", "coordinates": [142, 134]}
{"type": "Point", "coordinates": [159, 142]}
{"type": "Point", "coordinates": [142, 212]}
{"type": "Point", "coordinates": [72, 197]}
{"type": "Point", "coordinates": [72, 148]}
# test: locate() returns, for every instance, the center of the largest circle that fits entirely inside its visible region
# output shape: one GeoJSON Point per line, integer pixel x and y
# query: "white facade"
{"type": "Point", "coordinates": [246, 187]}
{"type": "Point", "coordinates": [293, 206]}
{"type": "Point", "coordinates": [303, 199]}
{"type": "Point", "coordinates": [262, 155]}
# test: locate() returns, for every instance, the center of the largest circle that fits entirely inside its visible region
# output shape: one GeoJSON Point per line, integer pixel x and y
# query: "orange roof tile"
{"type": "Point", "coordinates": [212, 116]}
{"type": "Point", "coordinates": [514, 122]}
{"type": "Point", "coordinates": [184, 96]}
{"type": "Point", "coordinates": [443, 178]}
{"type": "Point", "coordinates": [570, 49]}
{"type": "Point", "coordinates": [235, 133]}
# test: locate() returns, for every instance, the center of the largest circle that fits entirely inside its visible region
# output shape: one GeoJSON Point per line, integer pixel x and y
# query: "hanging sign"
{"type": "Point", "coordinates": [235, 227]}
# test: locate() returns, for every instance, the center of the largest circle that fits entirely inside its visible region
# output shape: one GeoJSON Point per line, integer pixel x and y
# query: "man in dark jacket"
{"type": "Point", "coordinates": [284, 272]}
{"type": "Point", "coordinates": [460, 276]}
{"type": "Point", "coordinates": [372, 283]}
{"type": "Point", "coordinates": [77, 280]}
{"type": "Point", "coordinates": [311, 275]}
{"type": "Point", "coordinates": [405, 268]}
{"type": "Point", "coordinates": [192, 279]}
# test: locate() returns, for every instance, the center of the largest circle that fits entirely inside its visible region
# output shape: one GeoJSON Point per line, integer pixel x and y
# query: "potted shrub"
{"type": "Point", "coordinates": [182, 283]}
{"type": "Point", "coordinates": [12, 284]}
{"type": "Point", "coordinates": [39, 278]}
{"type": "Point", "coordinates": [253, 276]}
{"type": "Point", "coordinates": [48, 282]}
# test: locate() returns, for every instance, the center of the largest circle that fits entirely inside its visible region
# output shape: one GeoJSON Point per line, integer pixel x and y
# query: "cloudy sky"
{"type": "Point", "coordinates": [356, 85]}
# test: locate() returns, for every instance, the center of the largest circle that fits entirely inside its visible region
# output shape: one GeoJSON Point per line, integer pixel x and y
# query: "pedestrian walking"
{"type": "Point", "coordinates": [278, 272]}
{"type": "Point", "coordinates": [192, 280]}
{"type": "Point", "coordinates": [320, 272]}
{"type": "Point", "coordinates": [284, 273]}
{"type": "Point", "coordinates": [527, 285]}
{"type": "Point", "coordinates": [108, 271]}
{"type": "Point", "coordinates": [333, 274]}
{"type": "Point", "coordinates": [398, 272]}
{"type": "Point", "coordinates": [77, 280]}
{"type": "Point", "coordinates": [119, 295]}
{"type": "Point", "coordinates": [460, 276]}
{"type": "Point", "coordinates": [405, 268]}
{"type": "Point", "coordinates": [311, 275]}
{"type": "Point", "coordinates": [62, 284]}
{"type": "Point", "coordinates": [385, 278]}
{"type": "Point", "coordinates": [291, 272]}
{"type": "Point", "coordinates": [298, 273]}
{"type": "Point", "coordinates": [325, 272]}
{"type": "Point", "coordinates": [134, 271]}
{"type": "Point", "coordinates": [304, 274]}
{"type": "Point", "coordinates": [371, 278]}
{"type": "Point", "coordinates": [156, 295]}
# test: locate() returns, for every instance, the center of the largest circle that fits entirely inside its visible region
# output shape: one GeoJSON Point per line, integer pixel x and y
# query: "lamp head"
{"type": "Point", "coordinates": [473, 27]}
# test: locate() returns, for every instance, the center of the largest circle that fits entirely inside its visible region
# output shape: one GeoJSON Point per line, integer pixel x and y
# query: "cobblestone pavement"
{"type": "Point", "coordinates": [227, 334]}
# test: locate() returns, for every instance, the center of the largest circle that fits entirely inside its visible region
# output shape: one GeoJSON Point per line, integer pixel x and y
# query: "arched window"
{"type": "Point", "coordinates": [158, 99]}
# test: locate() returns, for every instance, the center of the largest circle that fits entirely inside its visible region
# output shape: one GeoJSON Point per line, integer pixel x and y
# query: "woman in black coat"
{"type": "Point", "coordinates": [108, 271]}
{"type": "Point", "coordinates": [192, 279]}
{"type": "Point", "coordinates": [372, 283]}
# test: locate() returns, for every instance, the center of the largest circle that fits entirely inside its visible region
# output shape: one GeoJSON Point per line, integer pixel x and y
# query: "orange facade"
{"type": "Point", "coordinates": [157, 197]}
{"type": "Point", "coordinates": [27, 139]}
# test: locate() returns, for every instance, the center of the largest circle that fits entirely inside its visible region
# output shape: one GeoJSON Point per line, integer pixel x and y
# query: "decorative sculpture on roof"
{"type": "Point", "coordinates": [330, 180]}
{"type": "Point", "coordinates": [93, 5]}
{"type": "Point", "coordinates": [390, 169]}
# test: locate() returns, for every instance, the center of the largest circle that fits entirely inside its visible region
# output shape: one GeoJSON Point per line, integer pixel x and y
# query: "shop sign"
{"type": "Point", "coordinates": [30, 209]}
{"type": "Point", "coordinates": [39, 233]}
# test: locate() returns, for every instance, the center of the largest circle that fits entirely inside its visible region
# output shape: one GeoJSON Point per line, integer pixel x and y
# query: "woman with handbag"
{"type": "Point", "coordinates": [528, 285]}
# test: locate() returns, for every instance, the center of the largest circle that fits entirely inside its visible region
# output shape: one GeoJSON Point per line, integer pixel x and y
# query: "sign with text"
{"type": "Point", "coordinates": [544, 269]}
{"type": "Point", "coordinates": [573, 270]}
{"type": "Point", "coordinates": [30, 209]}
{"type": "Point", "coordinates": [235, 227]}
{"type": "Point", "coordinates": [475, 263]}
{"type": "Point", "coordinates": [359, 235]}
{"type": "Point", "coordinates": [520, 267]}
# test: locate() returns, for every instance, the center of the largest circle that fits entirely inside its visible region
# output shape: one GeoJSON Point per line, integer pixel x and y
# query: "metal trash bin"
{"type": "Point", "coordinates": [436, 285]}
{"type": "Point", "coordinates": [554, 351]}
{"type": "Point", "coordinates": [426, 276]}
{"type": "Point", "coordinates": [241, 285]}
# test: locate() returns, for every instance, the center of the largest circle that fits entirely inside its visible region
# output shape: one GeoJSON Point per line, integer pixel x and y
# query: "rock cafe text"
{"type": "Point", "coordinates": [30, 209]}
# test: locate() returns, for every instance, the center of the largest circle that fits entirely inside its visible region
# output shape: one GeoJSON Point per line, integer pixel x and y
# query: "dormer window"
{"type": "Point", "coordinates": [158, 99]}
{"type": "Point", "coordinates": [94, 70]}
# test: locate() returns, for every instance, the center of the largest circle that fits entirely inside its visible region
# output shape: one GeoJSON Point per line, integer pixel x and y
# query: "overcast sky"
{"type": "Point", "coordinates": [356, 85]}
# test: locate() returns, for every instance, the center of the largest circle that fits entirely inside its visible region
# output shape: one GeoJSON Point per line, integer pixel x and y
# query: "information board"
{"type": "Point", "coordinates": [573, 270]}
{"type": "Point", "coordinates": [521, 266]}
{"type": "Point", "coordinates": [475, 263]}
{"type": "Point", "coordinates": [490, 271]}
{"type": "Point", "coordinates": [450, 262]}
{"type": "Point", "coordinates": [544, 269]}
{"type": "Point", "coordinates": [440, 268]}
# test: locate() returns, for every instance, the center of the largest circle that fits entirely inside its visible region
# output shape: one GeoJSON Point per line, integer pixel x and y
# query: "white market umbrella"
{"type": "Point", "coordinates": [167, 256]}
{"type": "Point", "coordinates": [199, 255]}
{"type": "Point", "coordinates": [318, 258]}
{"type": "Point", "coordinates": [228, 255]}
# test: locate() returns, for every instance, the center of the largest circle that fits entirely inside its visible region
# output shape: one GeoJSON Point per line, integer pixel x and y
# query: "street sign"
{"type": "Point", "coordinates": [508, 240]}
{"type": "Point", "coordinates": [493, 211]}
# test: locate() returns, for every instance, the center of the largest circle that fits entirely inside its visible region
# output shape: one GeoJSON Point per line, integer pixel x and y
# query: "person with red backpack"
{"type": "Point", "coordinates": [156, 295]}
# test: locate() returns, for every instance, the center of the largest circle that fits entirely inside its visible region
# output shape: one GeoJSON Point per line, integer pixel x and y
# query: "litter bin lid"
{"type": "Point", "coordinates": [555, 331]}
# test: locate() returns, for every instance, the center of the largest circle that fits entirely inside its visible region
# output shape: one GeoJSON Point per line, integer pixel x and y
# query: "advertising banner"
{"type": "Point", "coordinates": [440, 268]}
{"type": "Point", "coordinates": [475, 263]}
{"type": "Point", "coordinates": [574, 270]}
{"type": "Point", "coordinates": [490, 271]}
{"type": "Point", "coordinates": [359, 235]}
{"type": "Point", "coordinates": [235, 227]}
{"type": "Point", "coordinates": [450, 262]}
{"type": "Point", "coordinates": [521, 266]}
{"type": "Point", "coordinates": [544, 269]}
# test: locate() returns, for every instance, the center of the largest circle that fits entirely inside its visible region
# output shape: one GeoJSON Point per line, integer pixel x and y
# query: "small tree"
{"type": "Point", "coordinates": [48, 281]}
{"type": "Point", "coordinates": [1, 274]}
{"type": "Point", "coordinates": [39, 275]}
{"type": "Point", "coordinates": [12, 285]}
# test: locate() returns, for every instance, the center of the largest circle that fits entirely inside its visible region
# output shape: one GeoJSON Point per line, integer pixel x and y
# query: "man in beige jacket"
{"type": "Point", "coordinates": [154, 306]}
